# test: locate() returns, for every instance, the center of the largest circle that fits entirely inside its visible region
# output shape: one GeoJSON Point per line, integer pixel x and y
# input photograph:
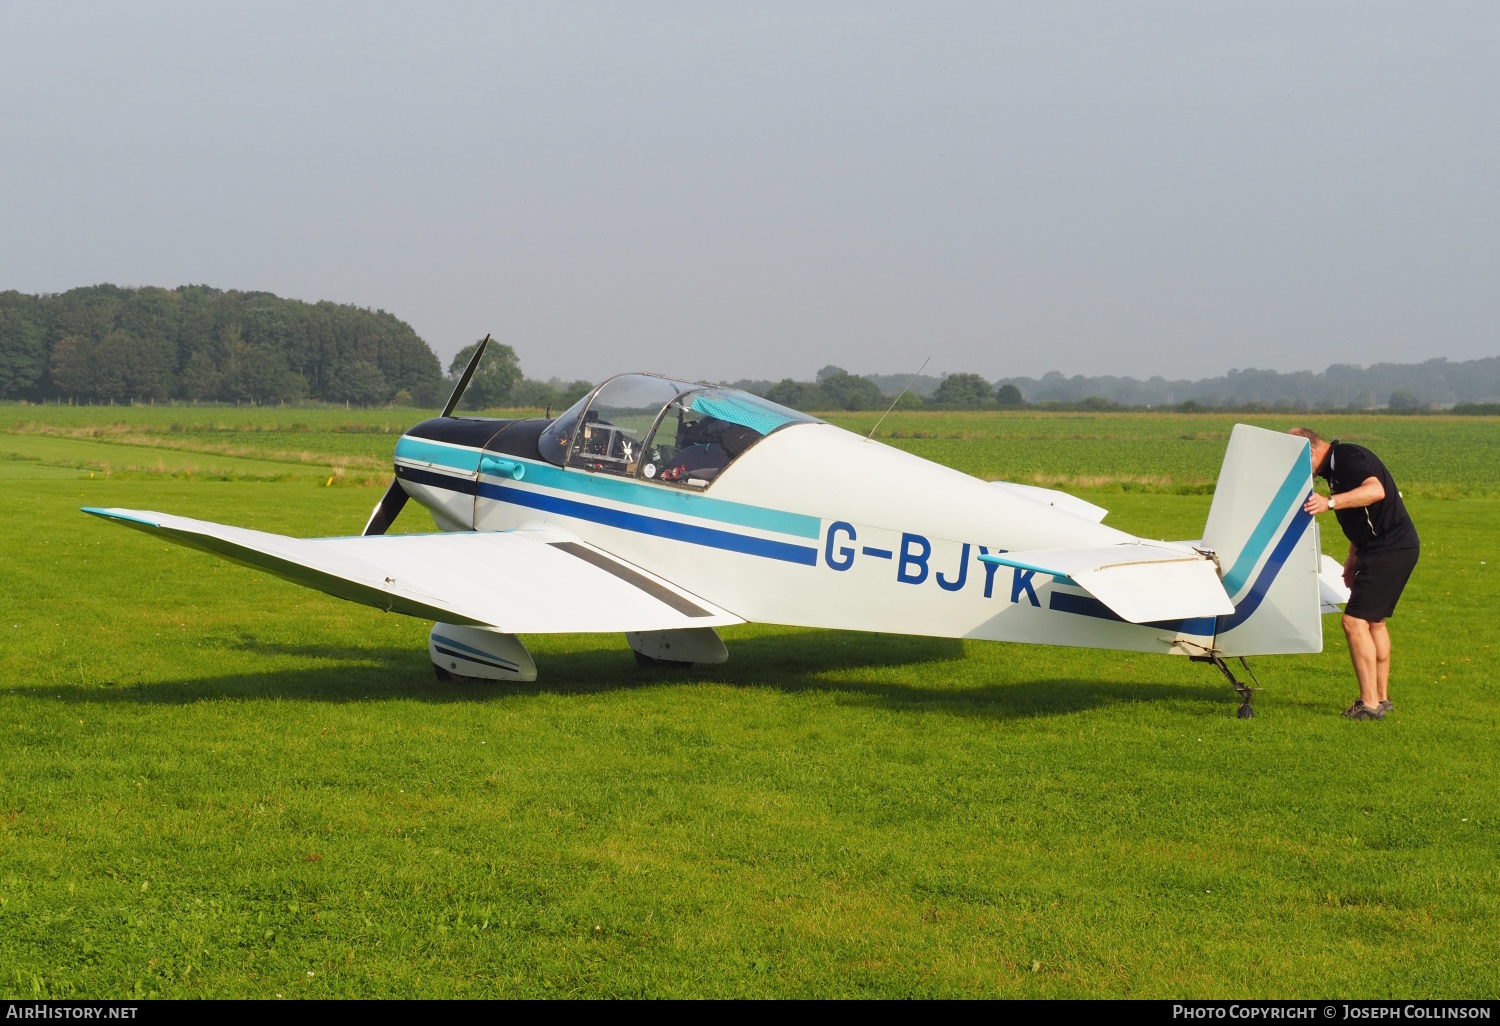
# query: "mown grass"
{"type": "Point", "coordinates": [214, 783]}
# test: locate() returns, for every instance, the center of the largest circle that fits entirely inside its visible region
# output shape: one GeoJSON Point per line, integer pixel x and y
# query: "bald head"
{"type": "Point", "coordinates": [1319, 447]}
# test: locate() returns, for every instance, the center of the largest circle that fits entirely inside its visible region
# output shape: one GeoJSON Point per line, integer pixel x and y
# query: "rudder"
{"type": "Point", "coordinates": [1267, 545]}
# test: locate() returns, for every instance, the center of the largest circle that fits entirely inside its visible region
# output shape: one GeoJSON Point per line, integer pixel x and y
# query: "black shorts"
{"type": "Point", "coordinates": [1379, 579]}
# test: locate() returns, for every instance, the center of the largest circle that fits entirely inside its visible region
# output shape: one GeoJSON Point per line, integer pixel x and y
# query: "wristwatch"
{"type": "Point", "coordinates": [1330, 502]}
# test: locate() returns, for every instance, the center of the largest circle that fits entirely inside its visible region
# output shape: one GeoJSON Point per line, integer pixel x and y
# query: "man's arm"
{"type": "Point", "coordinates": [1351, 562]}
{"type": "Point", "coordinates": [1368, 493]}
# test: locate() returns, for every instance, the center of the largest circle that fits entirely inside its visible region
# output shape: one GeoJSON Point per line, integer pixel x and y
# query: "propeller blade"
{"type": "Point", "coordinates": [463, 381]}
{"type": "Point", "coordinates": [387, 509]}
{"type": "Point", "coordinates": [390, 504]}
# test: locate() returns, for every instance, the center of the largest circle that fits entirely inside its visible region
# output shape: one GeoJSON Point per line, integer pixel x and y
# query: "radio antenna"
{"type": "Point", "coordinates": [896, 400]}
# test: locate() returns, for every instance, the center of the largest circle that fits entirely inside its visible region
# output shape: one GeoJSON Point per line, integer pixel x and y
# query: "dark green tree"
{"type": "Point", "coordinates": [23, 345]}
{"type": "Point", "coordinates": [1009, 397]}
{"type": "Point", "coordinates": [360, 383]}
{"type": "Point", "coordinates": [498, 375]}
{"type": "Point", "coordinates": [543, 395]}
{"type": "Point", "coordinates": [851, 393]}
{"type": "Point", "coordinates": [72, 366]}
{"type": "Point", "coordinates": [966, 390]}
{"type": "Point", "coordinates": [260, 375]}
{"type": "Point", "coordinates": [201, 378]}
{"type": "Point", "coordinates": [1404, 401]}
{"type": "Point", "coordinates": [799, 395]}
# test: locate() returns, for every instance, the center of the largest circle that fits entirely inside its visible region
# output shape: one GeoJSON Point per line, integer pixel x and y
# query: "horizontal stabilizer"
{"type": "Point", "coordinates": [501, 579]}
{"type": "Point", "coordinates": [1332, 593]}
{"type": "Point", "coordinates": [1056, 499]}
{"type": "Point", "coordinates": [1141, 582]}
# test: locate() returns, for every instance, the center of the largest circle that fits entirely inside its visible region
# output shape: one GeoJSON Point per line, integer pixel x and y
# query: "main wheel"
{"type": "Point", "coordinates": [1246, 713]}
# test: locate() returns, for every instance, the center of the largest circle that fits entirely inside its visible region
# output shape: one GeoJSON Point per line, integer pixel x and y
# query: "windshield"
{"type": "Point", "coordinates": [558, 436]}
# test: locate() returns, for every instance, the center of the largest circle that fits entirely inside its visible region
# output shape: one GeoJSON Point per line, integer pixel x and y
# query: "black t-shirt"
{"type": "Point", "coordinates": [1380, 526]}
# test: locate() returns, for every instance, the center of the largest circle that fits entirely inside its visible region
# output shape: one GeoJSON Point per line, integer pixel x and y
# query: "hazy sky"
{"type": "Point", "coordinates": [720, 190]}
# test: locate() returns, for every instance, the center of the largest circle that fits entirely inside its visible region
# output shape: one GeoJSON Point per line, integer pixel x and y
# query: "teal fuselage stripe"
{"type": "Point", "coordinates": [456, 456]}
{"type": "Point", "coordinates": [1290, 493]}
{"type": "Point", "coordinates": [615, 489]}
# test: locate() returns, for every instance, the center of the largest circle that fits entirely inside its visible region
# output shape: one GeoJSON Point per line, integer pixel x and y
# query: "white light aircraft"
{"type": "Point", "coordinates": [664, 509]}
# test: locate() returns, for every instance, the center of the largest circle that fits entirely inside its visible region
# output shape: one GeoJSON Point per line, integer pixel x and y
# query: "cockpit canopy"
{"type": "Point", "coordinates": [660, 429]}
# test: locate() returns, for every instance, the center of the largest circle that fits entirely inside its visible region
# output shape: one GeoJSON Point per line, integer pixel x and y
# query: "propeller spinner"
{"type": "Point", "coordinates": [390, 504]}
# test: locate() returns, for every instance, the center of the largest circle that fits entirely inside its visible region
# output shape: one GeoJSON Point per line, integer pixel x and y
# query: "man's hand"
{"type": "Point", "coordinates": [1315, 504]}
{"type": "Point", "coordinates": [1350, 565]}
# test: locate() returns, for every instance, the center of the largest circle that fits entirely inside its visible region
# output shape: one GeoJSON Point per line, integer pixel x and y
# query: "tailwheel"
{"type": "Point", "coordinates": [1246, 711]}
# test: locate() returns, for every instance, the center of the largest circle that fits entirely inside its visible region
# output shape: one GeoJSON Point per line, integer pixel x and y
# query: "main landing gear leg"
{"type": "Point", "coordinates": [1245, 691]}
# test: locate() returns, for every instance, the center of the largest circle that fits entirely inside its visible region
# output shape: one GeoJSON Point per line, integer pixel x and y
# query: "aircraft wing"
{"type": "Point", "coordinates": [1141, 582]}
{"type": "Point", "coordinates": [518, 583]}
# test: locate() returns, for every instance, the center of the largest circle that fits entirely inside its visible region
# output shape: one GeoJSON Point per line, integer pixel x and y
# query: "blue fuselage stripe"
{"type": "Point", "coordinates": [660, 497]}
{"type": "Point", "coordinates": [659, 528]}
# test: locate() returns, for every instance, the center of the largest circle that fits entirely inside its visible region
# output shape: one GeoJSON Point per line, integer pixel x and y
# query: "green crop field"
{"type": "Point", "coordinates": [215, 783]}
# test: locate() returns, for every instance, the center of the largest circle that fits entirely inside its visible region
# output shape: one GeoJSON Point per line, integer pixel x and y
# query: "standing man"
{"type": "Point", "coordinates": [1383, 549]}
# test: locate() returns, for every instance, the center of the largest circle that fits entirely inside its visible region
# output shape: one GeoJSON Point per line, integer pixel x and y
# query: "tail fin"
{"type": "Point", "coordinates": [1267, 546]}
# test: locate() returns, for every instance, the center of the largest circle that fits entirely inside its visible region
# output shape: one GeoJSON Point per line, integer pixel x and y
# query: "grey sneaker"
{"type": "Point", "coordinates": [1360, 711]}
{"type": "Point", "coordinates": [1385, 707]}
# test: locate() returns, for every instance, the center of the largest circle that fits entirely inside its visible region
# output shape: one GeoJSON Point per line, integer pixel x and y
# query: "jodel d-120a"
{"type": "Point", "coordinates": [663, 509]}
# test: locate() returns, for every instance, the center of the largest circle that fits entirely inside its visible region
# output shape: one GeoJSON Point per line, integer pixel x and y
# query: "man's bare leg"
{"type": "Point", "coordinates": [1362, 655]}
{"type": "Point", "coordinates": [1382, 639]}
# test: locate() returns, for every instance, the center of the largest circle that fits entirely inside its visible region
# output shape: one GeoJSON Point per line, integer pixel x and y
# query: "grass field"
{"type": "Point", "coordinates": [214, 783]}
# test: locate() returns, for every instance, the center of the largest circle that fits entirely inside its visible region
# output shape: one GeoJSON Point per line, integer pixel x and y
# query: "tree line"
{"type": "Point", "coordinates": [1396, 386]}
{"type": "Point", "coordinates": [1473, 385]}
{"type": "Point", "coordinates": [834, 388]}
{"type": "Point", "coordinates": [105, 343]}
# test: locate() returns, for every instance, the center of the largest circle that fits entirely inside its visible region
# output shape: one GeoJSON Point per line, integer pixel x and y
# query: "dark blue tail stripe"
{"type": "Point", "coordinates": [1251, 602]}
{"type": "Point", "coordinates": [1204, 626]}
{"type": "Point", "coordinates": [1087, 605]}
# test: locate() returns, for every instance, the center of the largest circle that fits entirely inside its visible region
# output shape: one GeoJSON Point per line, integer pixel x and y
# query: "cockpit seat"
{"type": "Point", "coordinates": [735, 438]}
{"type": "Point", "coordinates": [703, 461]}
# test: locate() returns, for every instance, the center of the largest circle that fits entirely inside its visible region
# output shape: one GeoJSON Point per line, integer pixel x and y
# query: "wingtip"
{"type": "Point", "coordinates": [117, 514]}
